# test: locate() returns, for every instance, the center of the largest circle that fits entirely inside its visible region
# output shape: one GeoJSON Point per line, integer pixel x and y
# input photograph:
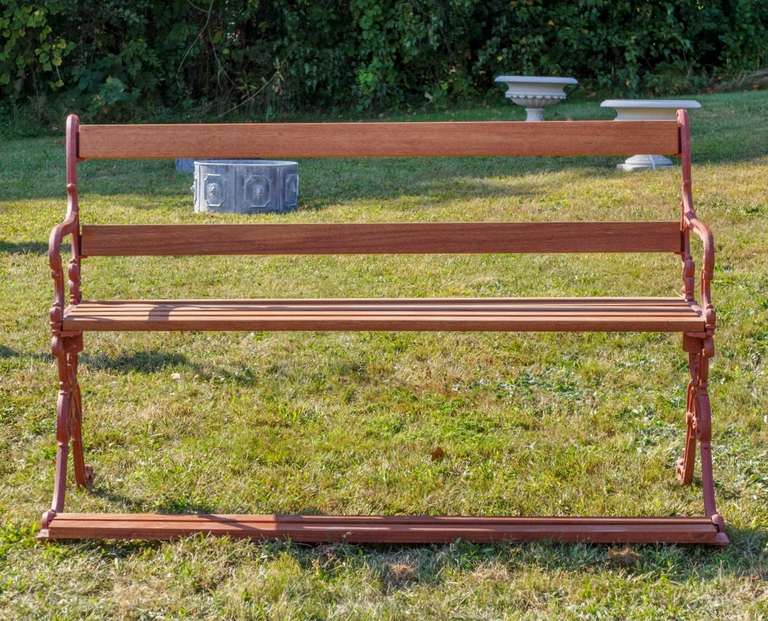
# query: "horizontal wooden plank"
{"type": "Point", "coordinates": [368, 519]}
{"type": "Point", "coordinates": [388, 324]}
{"type": "Point", "coordinates": [603, 301]}
{"type": "Point", "coordinates": [379, 529]}
{"type": "Point", "coordinates": [379, 238]}
{"type": "Point", "coordinates": [494, 314]}
{"type": "Point", "coordinates": [297, 140]}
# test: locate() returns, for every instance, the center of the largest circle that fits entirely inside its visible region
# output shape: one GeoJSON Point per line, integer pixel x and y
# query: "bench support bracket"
{"type": "Point", "coordinates": [698, 418]}
{"type": "Point", "coordinates": [69, 415]}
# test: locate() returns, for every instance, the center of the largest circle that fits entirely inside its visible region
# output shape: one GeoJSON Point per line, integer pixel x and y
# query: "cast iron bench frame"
{"type": "Point", "coordinates": [70, 316]}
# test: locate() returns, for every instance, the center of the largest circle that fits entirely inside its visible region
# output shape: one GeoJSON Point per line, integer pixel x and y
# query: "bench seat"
{"type": "Point", "coordinates": [455, 314]}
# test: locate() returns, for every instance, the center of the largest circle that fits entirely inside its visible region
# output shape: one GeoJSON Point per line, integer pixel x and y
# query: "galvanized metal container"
{"type": "Point", "coordinates": [185, 165]}
{"type": "Point", "coordinates": [246, 186]}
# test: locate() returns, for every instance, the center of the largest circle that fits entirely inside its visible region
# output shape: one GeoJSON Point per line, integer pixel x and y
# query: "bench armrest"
{"type": "Point", "coordinates": [69, 226]}
{"type": "Point", "coordinates": [707, 266]}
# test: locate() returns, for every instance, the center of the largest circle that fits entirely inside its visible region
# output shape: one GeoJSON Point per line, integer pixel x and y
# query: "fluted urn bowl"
{"type": "Point", "coordinates": [534, 93]}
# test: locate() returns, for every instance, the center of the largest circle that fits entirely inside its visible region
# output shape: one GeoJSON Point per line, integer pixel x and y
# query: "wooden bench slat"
{"type": "Point", "coordinates": [246, 518]}
{"type": "Point", "coordinates": [297, 140]}
{"type": "Point", "coordinates": [541, 315]}
{"type": "Point", "coordinates": [384, 529]}
{"type": "Point", "coordinates": [378, 238]}
{"type": "Point", "coordinates": [660, 301]}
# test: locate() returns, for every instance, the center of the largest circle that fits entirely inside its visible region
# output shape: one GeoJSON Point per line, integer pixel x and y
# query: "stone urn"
{"type": "Point", "coordinates": [648, 110]}
{"type": "Point", "coordinates": [534, 93]}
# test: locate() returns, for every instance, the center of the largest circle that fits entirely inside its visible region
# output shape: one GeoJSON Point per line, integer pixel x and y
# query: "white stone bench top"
{"type": "Point", "coordinates": [651, 103]}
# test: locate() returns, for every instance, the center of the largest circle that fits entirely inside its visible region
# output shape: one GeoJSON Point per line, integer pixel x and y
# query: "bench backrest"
{"type": "Point", "coordinates": [448, 139]}
{"type": "Point", "coordinates": [427, 139]}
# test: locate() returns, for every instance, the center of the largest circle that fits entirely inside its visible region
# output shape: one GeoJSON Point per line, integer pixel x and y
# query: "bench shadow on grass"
{"type": "Point", "coordinates": [171, 506]}
{"type": "Point", "coordinates": [8, 352]}
{"type": "Point", "coordinates": [153, 361]}
{"type": "Point", "coordinates": [26, 247]}
{"type": "Point", "coordinates": [399, 567]}
{"type": "Point", "coordinates": [144, 361]}
{"type": "Point", "coordinates": [147, 361]}
{"type": "Point", "coordinates": [336, 182]}
{"type": "Point", "coordinates": [328, 180]}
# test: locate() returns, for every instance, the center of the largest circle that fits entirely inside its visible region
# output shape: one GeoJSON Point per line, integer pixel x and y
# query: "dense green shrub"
{"type": "Point", "coordinates": [120, 58]}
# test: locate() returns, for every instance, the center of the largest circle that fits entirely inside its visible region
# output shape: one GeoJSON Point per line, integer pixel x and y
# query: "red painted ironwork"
{"type": "Point", "coordinates": [66, 344]}
{"type": "Point", "coordinates": [700, 347]}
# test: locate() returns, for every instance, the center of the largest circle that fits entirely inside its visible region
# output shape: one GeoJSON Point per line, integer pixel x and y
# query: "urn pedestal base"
{"type": "Point", "coordinates": [645, 162]}
{"type": "Point", "coordinates": [647, 110]}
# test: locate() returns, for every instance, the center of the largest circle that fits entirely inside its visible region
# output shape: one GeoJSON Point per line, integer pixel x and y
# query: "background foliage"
{"type": "Point", "coordinates": [119, 58]}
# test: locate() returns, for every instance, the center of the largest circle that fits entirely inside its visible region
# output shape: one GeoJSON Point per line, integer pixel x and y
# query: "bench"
{"type": "Point", "coordinates": [694, 320]}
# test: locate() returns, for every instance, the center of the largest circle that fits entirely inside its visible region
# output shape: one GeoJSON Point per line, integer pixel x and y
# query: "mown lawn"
{"type": "Point", "coordinates": [347, 423]}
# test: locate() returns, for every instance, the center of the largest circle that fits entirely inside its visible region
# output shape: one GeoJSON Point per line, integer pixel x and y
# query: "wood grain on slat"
{"type": "Point", "coordinates": [379, 529]}
{"type": "Point", "coordinates": [368, 519]}
{"type": "Point", "coordinates": [296, 140]}
{"type": "Point", "coordinates": [494, 314]}
{"type": "Point", "coordinates": [604, 301]}
{"type": "Point", "coordinates": [379, 238]}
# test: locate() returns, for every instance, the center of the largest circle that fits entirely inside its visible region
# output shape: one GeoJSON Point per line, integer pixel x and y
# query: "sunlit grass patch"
{"type": "Point", "coordinates": [352, 423]}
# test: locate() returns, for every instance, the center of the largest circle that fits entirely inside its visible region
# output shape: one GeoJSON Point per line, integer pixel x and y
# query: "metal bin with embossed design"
{"type": "Point", "coordinates": [246, 186]}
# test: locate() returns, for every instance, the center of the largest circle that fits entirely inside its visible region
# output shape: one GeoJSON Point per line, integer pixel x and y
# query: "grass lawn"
{"type": "Point", "coordinates": [347, 423]}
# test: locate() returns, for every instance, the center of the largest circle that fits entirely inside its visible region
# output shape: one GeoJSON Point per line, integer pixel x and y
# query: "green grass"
{"type": "Point", "coordinates": [261, 422]}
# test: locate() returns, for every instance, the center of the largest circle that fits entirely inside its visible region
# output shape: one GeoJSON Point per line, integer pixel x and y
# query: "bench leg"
{"type": "Point", "coordinates": [703, 428]}
{"type": "Point", "coordinates": [686, 462]}
{"type": "Point", "coordinates": [68, 417]}
{"type": "Point", "coordinates": [83, 472]}
{"type": "Point", "coordinates": [699, 427]}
